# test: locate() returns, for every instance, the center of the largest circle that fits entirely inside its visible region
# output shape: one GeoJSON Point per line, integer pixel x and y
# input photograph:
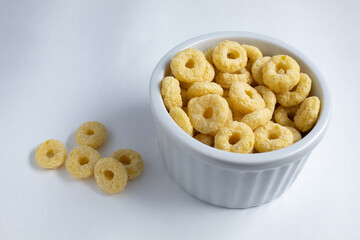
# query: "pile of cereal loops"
{"type": "Point", "coordinates": [236, 100]}
{"type": "Point", "coordinates": [111, 173]}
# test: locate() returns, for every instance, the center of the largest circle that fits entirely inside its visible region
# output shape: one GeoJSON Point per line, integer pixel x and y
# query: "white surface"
{"type": "Point", "coordinates": [66, 62]}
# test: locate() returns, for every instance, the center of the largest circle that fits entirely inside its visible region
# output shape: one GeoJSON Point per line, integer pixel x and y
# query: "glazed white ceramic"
{"type": "Point", "coordinates": [230, 179]}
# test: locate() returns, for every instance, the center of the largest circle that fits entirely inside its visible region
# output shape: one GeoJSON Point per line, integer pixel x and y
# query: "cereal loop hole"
{"type": "Point", "coordinates": [250, 93]}
{"type": "Point", "coordinates": [125, 160]}
{"type": "Point", "coordinates": [208, 113]}
{"type": "Point", "coordinates": [273, 135]}
{"type": "Point", "coordinates": [234, 139]}
{"type": "Point", "coordinates": [233, 54]}
{"type": "Point", "coordinates": [89, 132]}
{"type": "Point", "coordinates": [190, 63]}
{"type": "Point", "coordinates": [281, 68]}
{"type": "Point", "coordinates": [109, 175]}
{"type": "Point", "coordinates": [50, 154]}
{"type": "Point", "coordinates": [83, 160]}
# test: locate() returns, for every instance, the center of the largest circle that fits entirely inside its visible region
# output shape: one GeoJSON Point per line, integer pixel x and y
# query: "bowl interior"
{"type": "Point", "coordinates": [269, 47]}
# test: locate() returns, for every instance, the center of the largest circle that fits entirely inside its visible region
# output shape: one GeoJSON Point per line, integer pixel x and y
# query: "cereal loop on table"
{"type": "Point", "coordinates": [206, 139]}
{"type": "Point", "coordinates": [208, 55]}
{"type": "Point", "coordinates": [92, 134]}
{"type": "Point", "coordinates": [257, 118]}
{"type": "Point", "coordinates": [199, 89]}
{"type": "Point", "coordinates": [302, 90]}
{"type": "Point", "coordinates": [285, 116]}
{"type": "Point", "coordinates": [236, 137]}
{"type": "Point", "coordinates": [307, 114]}
{"type": "Point", "coordinates": [208, 113]}
{"type": "Point", "coordinates": [256, 69]}
{"type": "Point", "coordinates": [281, 73]}
{"type": "Point", "coordinates": [229, 56]}
{"type": "Point", "coordinates": [132, 161]}
{"type": "Point", "coordinates": [245, 98]}
{"type": "Point", "coordinates": [171, 92]}
{"type": "Point", "coordinates": [189, 65]}
{"type": "Point", "coordinates": [268, 96]}
{"type": "Point", "coordinates": [226, 79]}
{"type": "Point", "coordinates": [253, 54]}
{"type": "Point", "coordinates": [50, 154]}
{"type": "Point", "coordinates": [81, 161]}
{"type": "Point", "coordinates": [272, 137]}
{"type": "Point", "coordinates": [296, 134]}
{"type": "Point", "coordinates": [110, 175]}
{"type": "Point", "coordinates": [182, 120]}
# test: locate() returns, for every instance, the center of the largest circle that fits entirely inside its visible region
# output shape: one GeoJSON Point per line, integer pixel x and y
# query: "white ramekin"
{"type": "Point", "coordinates": [230, 179]}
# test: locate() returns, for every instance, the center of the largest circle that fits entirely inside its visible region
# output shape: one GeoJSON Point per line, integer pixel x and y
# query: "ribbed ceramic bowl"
{"type": "Point", "coordinates": [230, 179]}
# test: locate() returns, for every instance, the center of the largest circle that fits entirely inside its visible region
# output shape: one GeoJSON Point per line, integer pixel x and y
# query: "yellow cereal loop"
{"type": "Point", "coordinates": [296, 134]}
{"type": "Point", "coordinates": [285, 116]}
{"type": "Point", "coordinates": [171, 92]}
{"type": "Point", "coordinates": [206, 139]}
{"type": "Point", "coordinates": [199, 89]}
{"type": "Point", "coordinates": [81, 161]}
{"type": "Point", "coordinates": [281, 73]}
{"type": "Point", "coordinates": [226, 79]}
{"type": "Point", "coordinates": [92, 134]}
{"type": "Point", "coordinates": [271, 137]}
{"type": "Point", "coordinates": [208, 113]}
{"type": "Point", "coordinates": [237, 137]}
{"type": "Point", "coordinates": [268, 96]}
{"type": "Point", "coordinates": [50, 154]}
{"type": "Point", "coordinates": [209, 73]}
{"type": "Point", "coordinates": [188, 65]}
{"type": "Point", "coordinates": [245, 98]}
{"type": "Point", "coordinates": [257, 118]}
{"type": "Point", "coordinates": [307, 114]}
{"type": "Point", "coordinates": [208, 55]}
{"type": "Point", "coordinates": [236, 115]}
{"type": "Point", "coordinates": [110, 175]}
{"type": "Point", "coordinates": [227, 122]}
{"type": "Point", "coordinates": [229, 56]}
{"type": "Point", "coordinates": [132, 161]}
{"type": "Point", "coordinates": [253, 54]}
{"type": "Point", "coordinates": [182, 120]}
{"type": "Point", "coordinates": [302, 90]}
{"type": "Point", "coordinates": [184, 97]}
{"type": "Point", "coordinates": [256, 69]}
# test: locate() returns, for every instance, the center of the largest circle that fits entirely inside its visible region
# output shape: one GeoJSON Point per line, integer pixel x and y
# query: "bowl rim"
{"type": "Point", "coordinates": [304, 145]}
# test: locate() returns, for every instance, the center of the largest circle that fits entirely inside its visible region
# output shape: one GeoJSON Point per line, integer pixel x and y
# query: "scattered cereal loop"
{"type": "Point", "coordinates": [132, 161]}
{"type": "Point", "coordinates": [110, 175]}
{"type": "Point", "coordinates": [92, 134]}
{"type": "Point", "coordinates": [81, 161]}
{"type": "Point", "coordinates": [50, 154]}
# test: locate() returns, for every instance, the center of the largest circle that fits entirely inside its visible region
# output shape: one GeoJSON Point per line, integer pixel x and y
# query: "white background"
{"type": "Point", "coordinates": [63, 63]}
